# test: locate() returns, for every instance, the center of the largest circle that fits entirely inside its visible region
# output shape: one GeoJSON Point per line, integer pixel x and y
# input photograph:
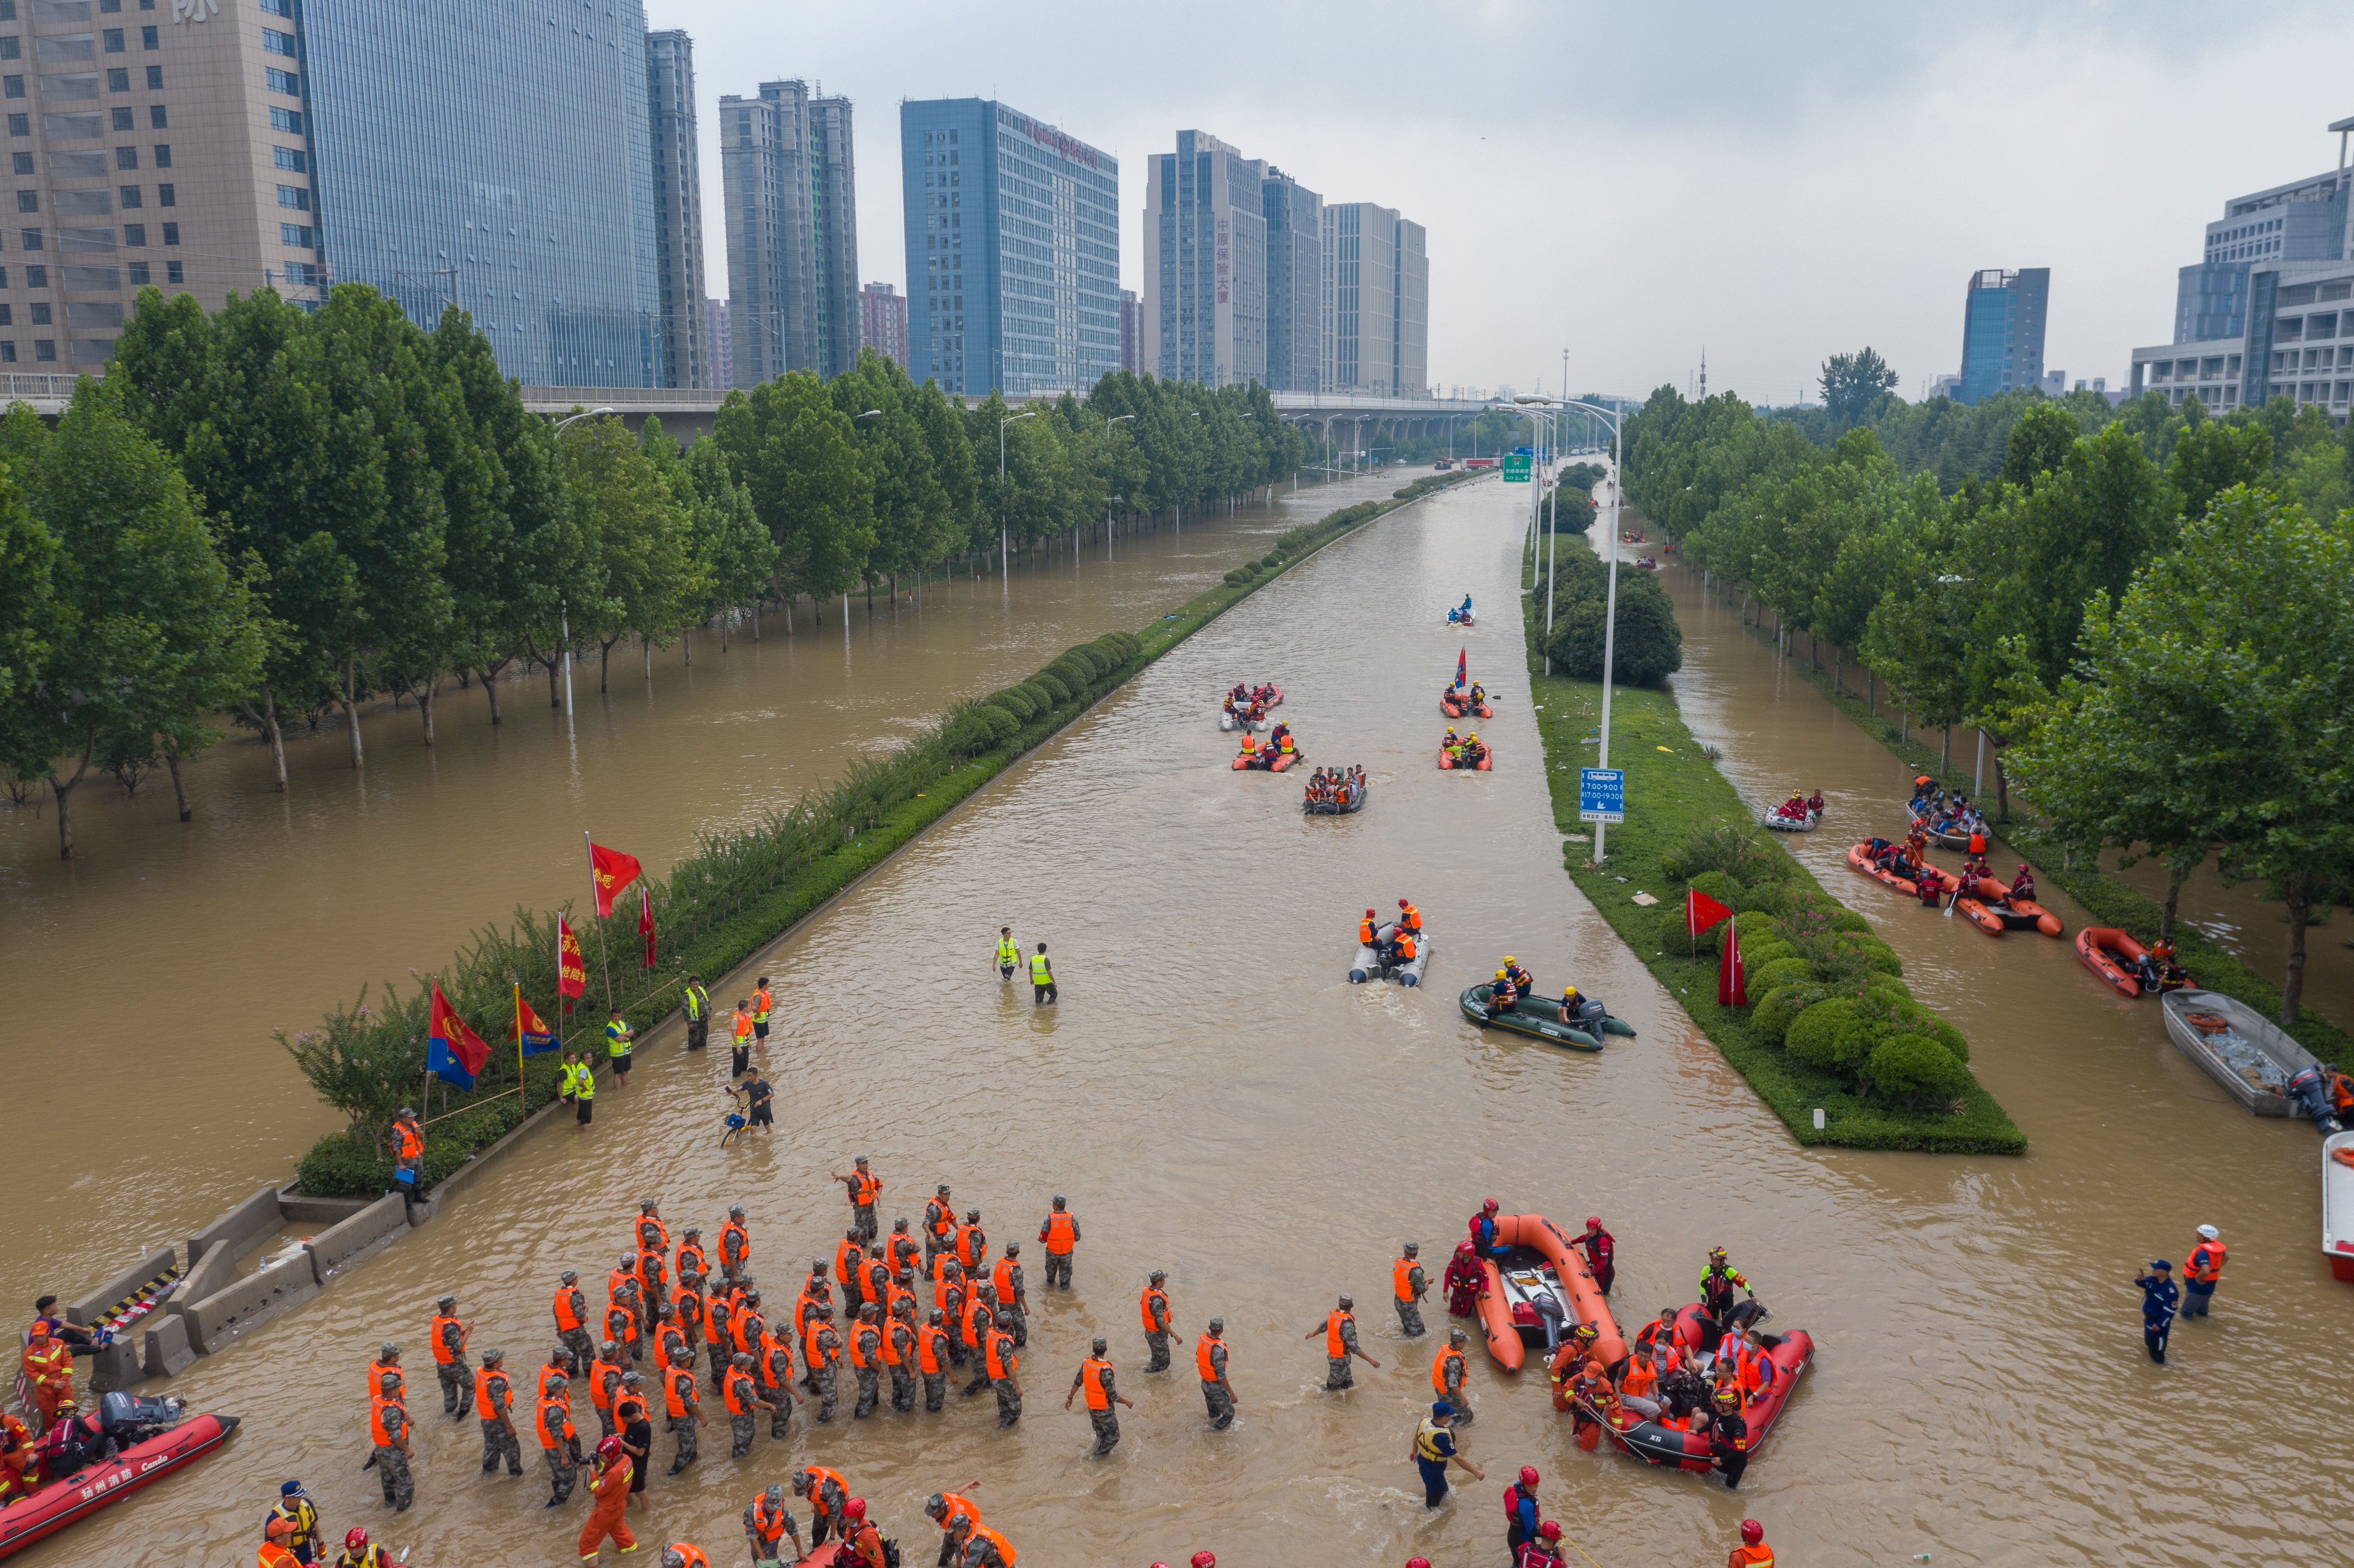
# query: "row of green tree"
{"type": "Point", "coordinates": [2053, 605]}
{"type": "Point", "coordinates": [373, 510]}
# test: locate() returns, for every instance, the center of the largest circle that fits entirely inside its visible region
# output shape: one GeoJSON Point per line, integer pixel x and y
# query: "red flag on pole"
{"type": "Point", "coordinates": [1729, 990]}
{"type": "Point", "coordinates": [1462, 667]}
{"type": "Point", "coordinates": [453, 1051]}
{"type": "Point", "coordinates": [571, 968]}
{"type": "Point", "coordinates": [612, 870]}
{"type": "Point", "coordinates": [646, 920]}
{"type": "Point", "coordinates": [1702, 912]}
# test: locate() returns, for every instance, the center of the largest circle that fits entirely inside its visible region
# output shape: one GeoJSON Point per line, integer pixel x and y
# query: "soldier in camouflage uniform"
{"type": "Point", "coordinates": [457, 1377]}
{"type": "Point", "coordinates": [1415, 1286]}
{"type": "Point", "coordinates": [828, 1345]}
{"type": "Point", "coordinates": [1340, 1331]}
{"type": "Point", "coordinates": [499, 1440]}
{"type": "Point", "coordinates": [980, 1320]}
{"type": "Point", "coordinates": [867, 1334]}
{"type": "Point", "coordinates": [1156, 1322]}
{"type": "Point", "coordinates": [683, 1426]}
{"type": "Point", "coordinates": [935, 1383]}
{"type": "Point", "coordinates": [777, 1383]}
{"type": "Point", "coordinates": [902, 1340]}
{"type": "Point", "coordinates": [392, 1459]}
{"type": "Point", "coordinates": [577, 1343]}
{"type": "Point", "coordinates": [1216, 1391]}
{"type": "Point", "coordinates": [1106, 1420]}
{"type": "Point", "coordinates": [746, 1392]}
{"type": "Point", "coordinates": [1013, 1302]}
{"type": "Point", "coordinates": [605, 1375]}
{"type": "Point", "coordinates": [1450, 1371]}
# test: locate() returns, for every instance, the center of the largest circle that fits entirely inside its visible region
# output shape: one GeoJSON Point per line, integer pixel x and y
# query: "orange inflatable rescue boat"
{"type": "Point", "coordinates": [1540, 1269]}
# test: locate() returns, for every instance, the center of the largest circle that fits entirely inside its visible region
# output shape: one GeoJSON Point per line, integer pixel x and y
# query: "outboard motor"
{"type": "Point", "coordinates": [1549, 1309]}
{"type": "Point", "coordinates": [1590, 1015]}
{"type": "Point", "coordinates": [130, 1419]}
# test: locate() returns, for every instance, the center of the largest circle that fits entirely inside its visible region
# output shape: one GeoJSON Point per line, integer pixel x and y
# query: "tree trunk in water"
{"type": "Point", "coordinates": [1872, 691]}
{"type": "Point", "coordinates": [351, 708]}
{"type": "Point", "coordinates": [1838, 664]}
{"type": "Point", "coordinates": [491, 690]}
{"type": "Point", "coordinates": [61, 792]}
{"type": "Point", "coordinates": [277, 738]}
{"type": "Point", "coordinates": [179, 785]}
{"type": "Point", "coordinates": [648, 644]}
{"type": "Point", "coordinates": [2174, 881]}
{"type": "Point", "coordinates": [466, 677]}
{"type": "Point", "coordinates": [2001, 790]}
{"type": "Point", "coordinates": [604, 663]}
{"type": "Point", "coordinates": [687, 647]}
{"type": "Point", "coordinates": [2300, 905]}
{"type": "Point", "coordinates": [425, 706]}
{"type": "Point", "coordinates": [1947, 765]}
{"type": "Point", "coordinates": [554, 699]}
{"type": "Point", "coordinates": [869, 596]}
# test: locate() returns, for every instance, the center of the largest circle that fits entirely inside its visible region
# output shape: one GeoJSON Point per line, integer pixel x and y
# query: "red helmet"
{"type": "Point", "coordinates": [1528, 1475]}
{"type": "Point", "coordinates": [1401, 903]}
{"type": "Point", "coordinates": [1549, 1530]}
{"type": "Point", "coordinates": [854, 1508]}
{"type": "Point", "coordinates": [1205, 1560]}
{"type": "Point", "coordinates": [1752, 1532]}
{"type": "Point", "coordinates": [1417, 1563]}
{"type": "Point", "coordinates": [1369, 914]}
{"type": "Point", "coordinates": [1488, 1207]}
{"type": "Point", "coordinates": [609, 1449]}
{"type": "Point", "coordinates": [355, 1539]}
{"type": "Point", "coordinates": [1593, 1222]}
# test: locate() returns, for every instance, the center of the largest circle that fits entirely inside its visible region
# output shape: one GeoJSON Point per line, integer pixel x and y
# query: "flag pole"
{"type": "Point", "coordinates": [521, 1090]}
{"type": "Point", "coordinates": [603, 958]}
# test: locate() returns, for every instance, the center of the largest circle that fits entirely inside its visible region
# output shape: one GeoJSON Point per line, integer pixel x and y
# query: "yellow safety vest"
{"type": "Point", "coordinates": [617, 1039]}
{"type": "Point", "coordinates": [1009, 953]}
{"type": "Point", "coordinates": [584, 1081]}
{"type": "Point", "coordinates": [698, 1003]}
{"type": "Point", "coordinates": [1039, 973]}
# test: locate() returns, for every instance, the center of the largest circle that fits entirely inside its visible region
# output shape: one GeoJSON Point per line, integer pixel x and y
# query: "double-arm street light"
{"type": "Point", "coordinates": [1610, 613]}
{"type": "Point", "coordinates": [1004, 552]}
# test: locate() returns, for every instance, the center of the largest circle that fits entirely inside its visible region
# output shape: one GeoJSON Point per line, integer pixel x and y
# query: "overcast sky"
{"type": "Point", "coordinates": [1633, 183]}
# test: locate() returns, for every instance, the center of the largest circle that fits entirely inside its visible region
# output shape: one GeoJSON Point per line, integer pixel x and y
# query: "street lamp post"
{"type": "Point", "coordinates": [564, 611]}
{"type": "Point", "coordinates": [1005, 551]}
{"type": "Point", "coordinates": [587, 414]}
{"type": "Point", "coordinates": [1610, 611]}
{"type": "Point", "coordinates": [1109, 499]}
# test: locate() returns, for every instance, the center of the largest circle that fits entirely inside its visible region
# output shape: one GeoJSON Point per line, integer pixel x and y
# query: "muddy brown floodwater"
{"type": "Point", "coordinates": [1218, 1102]}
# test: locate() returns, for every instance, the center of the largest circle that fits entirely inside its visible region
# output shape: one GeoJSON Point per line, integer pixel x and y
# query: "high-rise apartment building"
{"type": "Point", "coordinates": [1376, 302]}
{"type": "Point", "coordinates": [1019, 288]}
{"type": "Point", "coordinates": [722, 341]}
{"type": "Point", "coordinates": [204, 148]}
{"type": "Point", "coordinates": [2002, 332]}
{"type": "Point", "coordinates": [883, 320]}
{"type": "Point", "coordinates": [678, 208]}
{"type": "Point", "coordinates": [1132, 331]}
{"type": "Point", "coordinates": [786, 168]}
{"type": "Point", "coordinates": [1205, 266]}
{"type": "Point", "coordinates": [1295, 260]}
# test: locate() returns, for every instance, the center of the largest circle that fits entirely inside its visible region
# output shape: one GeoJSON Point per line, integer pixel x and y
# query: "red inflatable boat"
{"type": "Point", "coordinates": [1655, 1443]}
{"type": "Point", "coordinates": [1989, 904]}
{"type": "Point", "coordinates": [1455, 704]}
{"type": "Point", "coordinates": [1541, 1263]}
{"type": "Point", "coordinates": [1248, 761]}
{"type": "Point", "coordinates": [1449, 760]}
{"type": "Point", "coordinates": [79, 1496]}
{"type": "Point", "coordinates": [1859, 857]}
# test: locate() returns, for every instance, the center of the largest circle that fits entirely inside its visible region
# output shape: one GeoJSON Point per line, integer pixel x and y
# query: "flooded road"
{"type": "Point", "coordinates": [1218, 1102]}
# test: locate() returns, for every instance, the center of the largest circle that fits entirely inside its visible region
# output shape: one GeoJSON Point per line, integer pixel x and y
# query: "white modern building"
{"type": "Point", "coordinates": [2269, 310]}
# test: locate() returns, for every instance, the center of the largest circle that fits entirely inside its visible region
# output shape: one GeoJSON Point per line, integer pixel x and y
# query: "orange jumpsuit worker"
{"type": "Point", "coordinates": [48, 1367]}
{"type": "Point", "coordinates": [609, 1483]}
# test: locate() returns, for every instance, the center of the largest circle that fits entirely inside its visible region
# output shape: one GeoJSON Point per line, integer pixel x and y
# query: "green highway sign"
{"type": "Point", "coordinates": [1516, 466]}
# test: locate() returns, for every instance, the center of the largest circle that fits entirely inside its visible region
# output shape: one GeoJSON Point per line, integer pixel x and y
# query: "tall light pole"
{"type": "Point", "coordinates": [1109, 499]}
{"type": "Point", "coordinates": [588, 414]}
{"type": "Point", "coordinates": [1004, 552]}
{"type": "Point", "coordinates": [563, 610]}
{"type": "Point", "coordinates": [1610, 611]}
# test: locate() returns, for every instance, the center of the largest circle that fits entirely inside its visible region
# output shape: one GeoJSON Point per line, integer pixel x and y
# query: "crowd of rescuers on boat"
{"type": "Point", "coordinates": [1262, 754]}
{"type": "Point", "coordinates": [1249, 704]}
{"type": "Point", "coordinates": [1404, 941]}
{"type": "Point", "coordinates": [1798, 808]}
{"type": "Point", "coordinates": [1340, 786]}
{"type": "Point", "coordinates": [1513, 982]}
{"type": "Point", "coordinates": [1468, 750]}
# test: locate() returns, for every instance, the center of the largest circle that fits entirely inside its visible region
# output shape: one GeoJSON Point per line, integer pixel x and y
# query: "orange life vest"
{"type": "Point", "coordinates": [692, 1259]}
{"type": "Point", "coordinates": [693, 1556]}
{"type": "Point", "coordinates": [376, 1407]}
{"type": "Point", "coordinates": [554, 1423]}
{"type": "Point", "coordinates": [929, 1340]}
{"type": "Point", "coordinates": [1000, 1361]}
{"type": "Point", "coordinates": [1002, 1278]}
{"type": "Point", "coordinates": [1366, 931]}
{"type": "Point", "coordinates": [1153, 1297]}
{"type": "Point", "coordinates": [864, 1189]}
{"type": "Point", "coordinates": [1091, 1372]}
{"type": "Point", "coordinates": [376, 1377]}
{"type": "Point", "coordinates": [552, 1369]}
{"type": "Point", "coordinates": [902, 1251]}
{"type": "Point", "coordinates": [957, 1508]}
{"type": "Point", "coordinates": [1004, 1547]}
{"type": "Point", "coordinates": [762, 1001]}
{"type": "Point", "coordinates": [765, 1363]}
{"type": "Point", "coordinates": [847, 1257]}
{"type": "Point", "coordinates": [1410, 917]}
{"type": "Point", "coordinates": [858, 1354]}
{"type": "Point", "coordinates": [814, 1350]}
{"type": "Point", "coordinates": [1201, 1354]}
{"type": "Point", "coordinates": [1438, 1369]}
{"type": "Point", "coordinates": [273, 1555]}
{"type": "Point", "coordinates": [412, 1143]}
{"type": "Point", "coordinates": [690, 1308]}
{"type": "Point", "coordinates": [1402, 1278]}
{"type": "Point", "coordinates": [971, 1246]}
{"type": "Point", "coordinates": [818, 1475]}
{"type": "Point", "coordinates": [678, 1390]}
{"type": "Point", "coordinates": [1060, 1224]}
{"type": "Point", "coordinates": [604, 1379]}
{"type": "Point", "coordinates": [659, 1242]}
{"type": "Point", "coordinates": [2205, 1263]}
{"type": "Point", "coordinates": [441, 1351]}
{"type": "Point", "coordinates": [1333, 1345]}
{"type": "Point", "coordinates": [567, 1316]}
{"type": "Point", "coordinates": [743, 1242]}
{"type": "Point", "coordinates": [894, 1352]}
{"type": "Point", "coordinates": [769, 1525]}
{"type": "Point", "coordinates": [745, 1329]}
{"type": "Point", "coordinates": [736, 1390]}
{"type": "Point", "coordinates": [939, 1219]}
{"type": "Point", "coordinates": [1758, 1556]}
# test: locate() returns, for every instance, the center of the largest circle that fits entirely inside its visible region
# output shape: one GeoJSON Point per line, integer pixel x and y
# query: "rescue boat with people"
{"type": "Point", "coordinates": [1452, 760]}
{"type": "Point", "coordinates": [1988, 904]}
{"type": "Point", "coordinates": [1268, 760]}
{"type": "Point", "coordinates": [1349, 800]}
{"type": "Point", "coordinates": [1859, 857]}
{"type": "Point", "coordinates": [83, 1493]}
{"type": "Point", "coordinates": [1368, 966]}
{"type": "Point", "coordinates": [1775, 821]}
{"type": "Point", "coordinates": [1539, 1017]}
{"type": "Point", "coordinates": [2338, 1204]}
{"type": "Point", "coordinates": [1949, 834]}
{"type": "Point", "coordinates": [1269, 696]}
{"type": "Point", "coordinates": [1539, 1291]}
{"type": "Point", "coordinates": [2116, 958]}
{"type": "Point", "coordinates": [2245, 1052]}
{"type": "Point", "coordinates": [1454, 704]}
{"type": "Point", "coordinates": [1656, 1442]}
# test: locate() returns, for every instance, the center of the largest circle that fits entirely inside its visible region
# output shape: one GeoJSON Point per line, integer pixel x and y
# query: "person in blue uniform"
{"type": "Point", "coordinates": [2159, 1297]}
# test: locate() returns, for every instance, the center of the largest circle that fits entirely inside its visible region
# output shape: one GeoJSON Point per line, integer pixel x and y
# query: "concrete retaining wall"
{"type": "Point", "coordinates": [167, 1351]}
{"type": "Point", "coordinates": [242, 1226]}
{"type": "Point", "coordinates": [91, 1308]}
{"type": "Point", "coordinates": [214, 1270]}
{"type": "Point", "coordinates": [368, 1226]}
{"type": "Point", "coordinates": [219, 1318]}
{"type": "Point", "coordinates": [297, 1208]}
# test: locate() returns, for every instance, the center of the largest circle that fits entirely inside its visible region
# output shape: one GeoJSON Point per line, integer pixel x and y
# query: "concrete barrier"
{"type": "Point", "coordinates": [220, 1318]}
{"type": "Point", "coordinates": [168, 1352]}
{"type": "Point", "coordinates": [298, 1208]}
{"type": "Point", "coordinates": [368, 1226]}
{"type": "Point", "coordinates": [116, 1365]}
{"type": "Point", "coordinates": [107, 1297]}
{"type": "Point", "coordinates": [242, 1226]}
{"type": "Point", "coordinates": [214, 1270]}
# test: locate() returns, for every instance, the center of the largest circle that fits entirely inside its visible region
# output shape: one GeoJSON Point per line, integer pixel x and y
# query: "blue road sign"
{"type": "Point", "coordinates": [1601, 795]}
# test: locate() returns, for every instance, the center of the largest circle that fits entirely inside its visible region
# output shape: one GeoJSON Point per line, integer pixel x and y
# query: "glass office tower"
{"type": "Point", "coordinates": [496, 156]}
{"type": "Point", "coordinates": [1018, 288]}
{"type": "Point", "coordinates": [2002, 332]}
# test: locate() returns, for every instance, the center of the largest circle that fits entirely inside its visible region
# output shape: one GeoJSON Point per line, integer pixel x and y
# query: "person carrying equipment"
{"type": "Point", "coordinates": [1716, 1285]}
{"type": "Point", "coordinates": [2201, 1271]}
{"type": "Point", "coordinates": [1340, 1331]}
{"type": "Point", "coordinates": [609, 1483]}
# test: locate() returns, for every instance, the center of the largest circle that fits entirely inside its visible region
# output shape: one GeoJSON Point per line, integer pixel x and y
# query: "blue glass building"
{"type": "Point", "coordinates": [499, 155]}
{"type": "Point", "coordinates": [2002, 332]}
{"type": "Point", "coordinates": [1018, 288]}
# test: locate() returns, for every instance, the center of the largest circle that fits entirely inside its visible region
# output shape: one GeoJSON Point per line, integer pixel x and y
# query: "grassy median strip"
{"type": "Point", "coordinates": [1673, 790]}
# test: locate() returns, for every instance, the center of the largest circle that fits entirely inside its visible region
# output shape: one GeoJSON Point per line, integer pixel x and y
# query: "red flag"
{"type": "Point", "coordinates": [571, 968]}
{"type": "Point", "coordinates": [453, 1051]}
{"type": "Point", "coordinates": [1702, 912]}
{"type": "Point", "coordinates": [534, 1035]}
{"type": "Point", "coordinates": [1462, 667]}
{"type": "Point", "coordinates": [646, 920]}
{"type": "Point", "coordinates": [1729, 990]}
{"type": "Point", "coordinates": [613, 870]}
